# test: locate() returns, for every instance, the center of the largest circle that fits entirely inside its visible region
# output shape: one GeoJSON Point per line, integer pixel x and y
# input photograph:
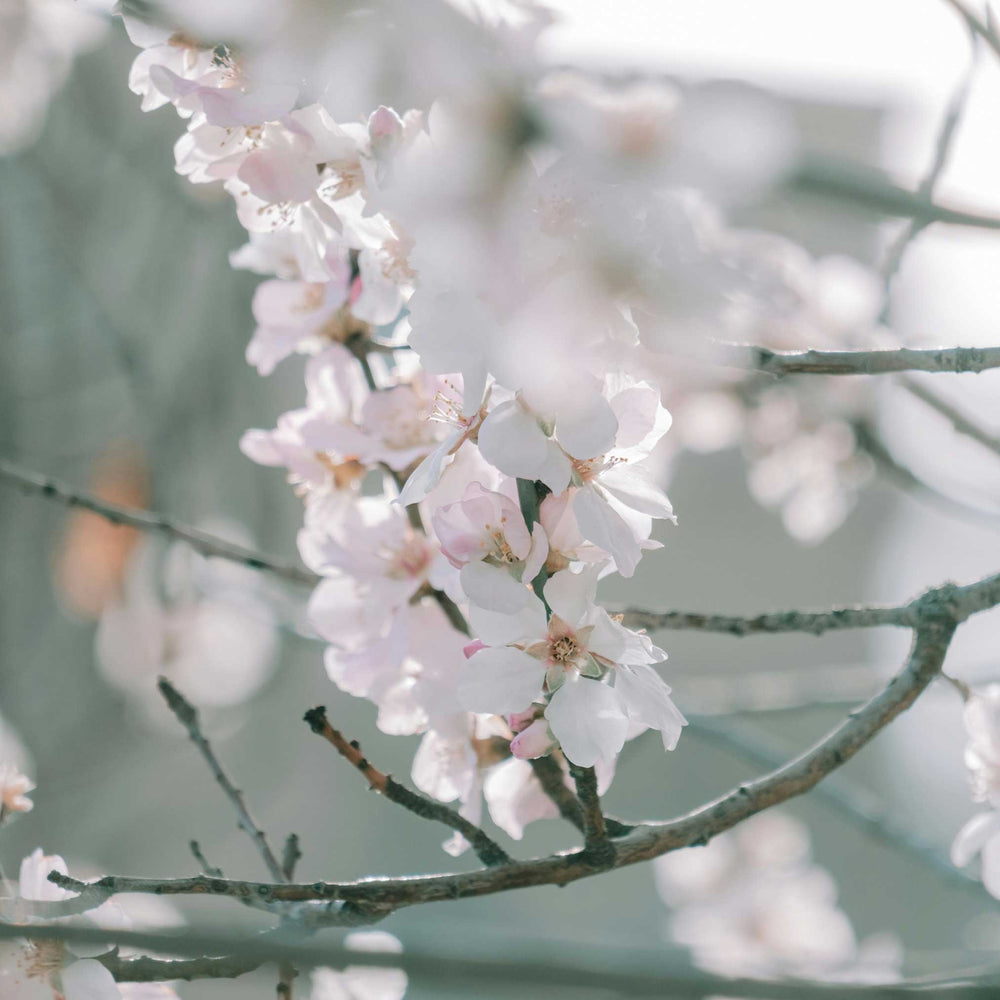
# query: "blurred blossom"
{"type": "Point", "coordinates": [357, 982]}
{"type": "Point", "coordinates": [752, 903]}
{"type": "Point", "coordinates": [14, 789]}
{"type": "Point", "coordinates": [94, 554]}
{"type": "Point", "coordinates": [206, 624]}
{"type": "Point", "coordinates": [39, 39]}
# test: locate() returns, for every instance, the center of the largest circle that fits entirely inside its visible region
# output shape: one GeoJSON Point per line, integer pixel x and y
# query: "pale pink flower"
{"type": "Point", "coordinates": [14, 789]}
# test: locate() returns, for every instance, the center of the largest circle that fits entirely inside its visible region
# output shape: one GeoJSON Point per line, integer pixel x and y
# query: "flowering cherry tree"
{"type": "Point", "coordinates": [504, 279]}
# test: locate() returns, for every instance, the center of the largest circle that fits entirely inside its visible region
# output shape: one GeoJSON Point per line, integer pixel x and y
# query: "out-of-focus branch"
{"type": "Point", "coordinates": [978, 27]}
{"type": "Point", "coordinates": [202, 541]}
{"type": "Point", "coordinates": [905, 478]}
{"type": "Point", "coordinates": [290, 856]}
{"type": "Point", "coordinates": [878, 362]}
{"type": "Point", "coordinates": [629, 973]}
{"type": "Point", "coordinates": [487, 850]}
{"type": "Point", "coordinates": [962, 423]}
{"type": "Point", "coordinates": [873, 190]}
{"type": "Point", "coordinates": [187, 715]}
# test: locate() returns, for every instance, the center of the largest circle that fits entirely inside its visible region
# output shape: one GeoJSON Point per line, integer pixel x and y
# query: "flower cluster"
{"type": "Point", "coordinates": [484, 279]}
{"type": "Point", "coordinates": [754, 903]}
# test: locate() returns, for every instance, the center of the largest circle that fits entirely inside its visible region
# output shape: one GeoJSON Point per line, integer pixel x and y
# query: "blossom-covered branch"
{"type": "Point", "coordinates": [939, 614]}
{"type": "Point", "coordinates": [202, 541]}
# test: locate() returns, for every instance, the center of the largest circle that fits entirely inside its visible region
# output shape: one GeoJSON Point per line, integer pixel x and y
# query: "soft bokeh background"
{"type": "Point", "coordinates": [122, 329]}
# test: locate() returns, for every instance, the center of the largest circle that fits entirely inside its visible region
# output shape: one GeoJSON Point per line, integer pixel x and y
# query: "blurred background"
{"type": "Point", "coordinates": [122, 331]}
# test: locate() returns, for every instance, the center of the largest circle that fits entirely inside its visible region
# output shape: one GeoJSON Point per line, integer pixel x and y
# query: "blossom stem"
{"type": "Point", "coordinates": [487, 850]}
{"type": "Point", "coordinates": [529, 495]}
{"type": "Point", "coordinates": [595, 833]}
{"type": "Point", "coordinates": [187, 715]}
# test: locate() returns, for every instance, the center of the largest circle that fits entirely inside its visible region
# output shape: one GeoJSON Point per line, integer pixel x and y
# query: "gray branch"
{"type": "Point", "coordinates": [937, 615]}
{"type": "Point", "coordinates": [202, 541]}
{"type": "Point", "coordinates": [878, 362]}
{"type": "Point", "coordinates": [187, 715]}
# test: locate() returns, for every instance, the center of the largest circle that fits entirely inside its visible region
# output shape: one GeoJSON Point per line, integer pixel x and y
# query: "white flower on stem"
{"type": "Point", "coordinates": [594, 675]}
{"type": "Point", "coordinates": [14, 789]}
{"type": "Point", "coordinates": [485, 537]}
{"type": "Point", "coordinates": [391, 426]}
{"type": "Point", "coordinates": [615, 497]}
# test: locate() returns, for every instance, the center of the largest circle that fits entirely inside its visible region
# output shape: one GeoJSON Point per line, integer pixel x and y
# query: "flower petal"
{"type": "Point", "coordinates": [586, 717]}
{"type": "Point", "coordinates": [498, 680]}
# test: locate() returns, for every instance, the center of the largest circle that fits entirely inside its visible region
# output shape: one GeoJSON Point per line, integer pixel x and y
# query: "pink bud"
{"type": "Point", "coordinates": [356, 290]}
{"type": "Point", "coordinates": [384, 121]}
{"type": "Point", "coordinates": [471, 648]}
{"type": "Point", "coordinates": [521, 720]}
{"type": "Point", "coordinates": [535, 741]}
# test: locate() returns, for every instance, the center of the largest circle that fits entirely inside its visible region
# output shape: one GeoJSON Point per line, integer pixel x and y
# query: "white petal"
{"type": "Point", "coordinates": [500, 679]}
{"type": "Point", "coordinates": [631, 485]}
{"type": "Point", "coordinates": [587, 428]}
{"type": "Point", "coordinates": [537, 553]}
{"type": "Point", "coordinates": [493, 588]}
{"type": "Point", "coordinates": [511, 439]}
{"type": "Point", "coordinates": [647, 700]}
{"type": "Point", "coordinates": [599, 524]}
{"type": "Point", "coordinates": [497, 629]}
{"type": "Point", "coordinates": [972, 837]}
{"type": "Point", "coordinates": [586, 717]}
{"type": "Point", "coordinates": [571, 595]}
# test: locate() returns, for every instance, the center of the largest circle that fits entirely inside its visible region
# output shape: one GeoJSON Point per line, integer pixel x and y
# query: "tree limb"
{"type": "Point", "coordinates": [486, 849]}
{"type": "Point", "coordinates": [877, 362]}
{"type": "Point", "coordinates": [940, 612]}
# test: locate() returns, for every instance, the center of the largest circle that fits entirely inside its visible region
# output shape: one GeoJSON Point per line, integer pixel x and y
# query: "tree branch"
{"type": "Point", "coordinates": [202, 541]}
{"type": "Point", "coordinates": [879, 362]}
{"type": "Point", "coordinates": [873, 190]}
{"type": "Point", "coordinates": [630, 973]}
{"type": "Point", "coordinates": [487, 850]}
{"type": "Point", "coordinates": [187, 715]}
{"type": "Point", "coordinates": [939, 611]}
{"type": "Point", "coordinates": [970, 599]}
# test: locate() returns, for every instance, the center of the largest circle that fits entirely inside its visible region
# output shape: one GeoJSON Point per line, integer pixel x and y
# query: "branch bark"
{"type": "Point", "coordinates": [486, 849]}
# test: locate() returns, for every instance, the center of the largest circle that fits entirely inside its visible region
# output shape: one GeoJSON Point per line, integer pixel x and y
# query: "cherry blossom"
{"type": "Point", "coordinates": [14, 789]}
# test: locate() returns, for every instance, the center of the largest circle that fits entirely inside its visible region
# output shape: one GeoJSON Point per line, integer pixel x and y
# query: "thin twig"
{"type": "Point", "coordinates": [204, 865]}
{"type": "Point", "coordinates": [962, 423]}
{"type": "Point", "coordinates": [202, 541]}
{"type": "Point", "coordinates": [552, 778]}
{"type": "Point", "coordinates": [595, 833]}
{"type": "Point", "coordinates": [487, 850]}
{"type": "Point", "coordinates": [291, 856]}
{"type": "Point", "coordinates": [816, 622]}
{"type": "Point", "coordinates": [873, 190]}
{"type": "Point", "coordinates": [187, 715]}
{"type": "Point", "coordinates": [975, 25]}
